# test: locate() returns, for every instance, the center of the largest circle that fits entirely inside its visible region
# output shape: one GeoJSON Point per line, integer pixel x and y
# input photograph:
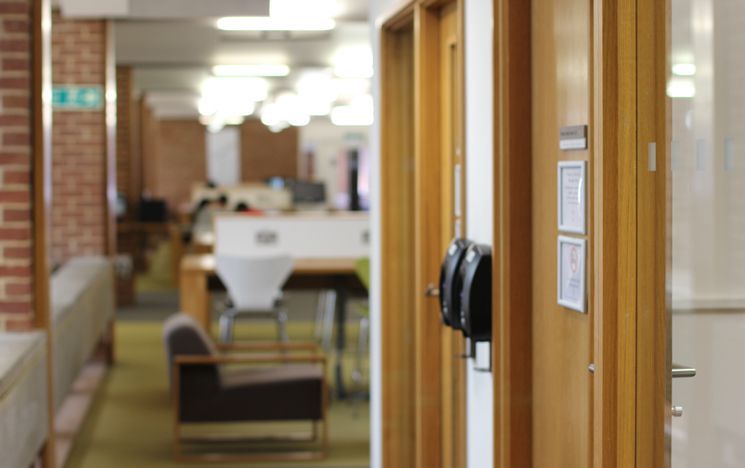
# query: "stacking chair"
{"type": "Point", "coordinates": [273, 382]}
{"type": "Point", "coordinates": [254, 285]}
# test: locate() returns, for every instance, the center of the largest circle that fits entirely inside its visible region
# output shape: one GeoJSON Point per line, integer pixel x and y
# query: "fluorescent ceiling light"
{"type": "Point", "coordinates": [251, 70]}
{"type": "Point", "coordinates": [358, 113]}
{"type": "Point", "coordinates": [234, 88]}
{"type": "Point", "coordinates": [317, 91]}
{"type": "Point", "coordinates": [681, 88]}
{"type": "Point", "coordinates": [684, 69]}
{"type": "Point", "coordinates": [353, 62]}
{"type": "Point", "coordinates": [268, 23]}
{"type": "Point", "coordinates": [304, 8]}
{"type": "Point", "coordinates": [351, 70]}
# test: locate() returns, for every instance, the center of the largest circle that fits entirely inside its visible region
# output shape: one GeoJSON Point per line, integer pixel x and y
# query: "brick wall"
{"type": "Point", "coordinates": [267, 154]}
{"type": "Point", "coordinates": [128, 179]}
{"type": "Point", "coordinates": [175, 158]}
{"type": "Point", "coordinates": [16, 228]}
{"type": "Point", "coordinates": [182, 159]}
{"type": "Point", "coordinates": [78, 143]}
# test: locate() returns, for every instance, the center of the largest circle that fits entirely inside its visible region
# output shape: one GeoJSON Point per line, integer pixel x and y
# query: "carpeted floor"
{"type": "Point", "coordinates": [130, 422]}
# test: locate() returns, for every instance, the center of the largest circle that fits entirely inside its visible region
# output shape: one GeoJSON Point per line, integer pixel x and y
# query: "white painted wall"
{"type": "Point", "coordinates": [223, 156]}
{"type": "Point", "coordinates": [329, 143]}
{"type": "Point", "coordinates": [377, 8]}
{"type": "Point", "coordinates": [479, 204]}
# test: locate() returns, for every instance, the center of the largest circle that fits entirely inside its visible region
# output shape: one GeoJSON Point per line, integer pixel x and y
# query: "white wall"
{"type": "Point", "coordinates": [223, 156]}
{"type": "Point", "coordinates": [479, 203]}
{"type": "Point", "coordinates": [377, 8]}
{"type": "Point", "coordinates": [328, 143]}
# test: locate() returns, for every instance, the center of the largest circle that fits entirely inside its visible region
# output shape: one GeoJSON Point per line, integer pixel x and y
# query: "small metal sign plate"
{"type": "Point", "coordinates": [573, 138]}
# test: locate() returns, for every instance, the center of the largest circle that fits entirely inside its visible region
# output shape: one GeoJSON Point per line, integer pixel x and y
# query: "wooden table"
{"type": "Point", "coordinates": [197, 269]}
{"type": "Point", "coordinates": [340, 274]}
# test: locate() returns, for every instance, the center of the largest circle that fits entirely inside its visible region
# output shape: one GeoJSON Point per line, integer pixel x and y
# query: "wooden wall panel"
{"type": "Point", "coordinates": [266, 154]}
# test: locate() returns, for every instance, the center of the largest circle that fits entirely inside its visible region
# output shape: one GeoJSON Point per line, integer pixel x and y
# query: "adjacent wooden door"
{"type": "Point", "coordinates": [562, 338]}
{"type": "Point", "coordinates": [422, 210]}
{"type": "Point", "coordinates": [440, 380]}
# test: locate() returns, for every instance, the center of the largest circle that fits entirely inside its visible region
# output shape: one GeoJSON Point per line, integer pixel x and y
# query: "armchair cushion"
{"type": "Point", "coordinates": [208, 392]}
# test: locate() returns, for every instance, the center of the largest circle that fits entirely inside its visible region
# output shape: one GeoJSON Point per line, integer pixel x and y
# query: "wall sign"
{"type": "Point", "coordinates": [71, 97]}
{"type": "Point", "coordinates": [573, 138]}
{"type": "Point", "coordinates": [571, 273]}
{"type": "Point", "coordinates": [572, 188]}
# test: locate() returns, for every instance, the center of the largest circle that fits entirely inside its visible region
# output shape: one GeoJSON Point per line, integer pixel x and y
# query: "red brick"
{"type": "Point", "coordinates": [11, 158]}
{"type": "Point", "coordinates": [14, 196]}
{"type": "Point", "coordinates": [14, 7]}
{"type": "Point", "coordinates": [15, 83]}
{"type": "Point", "coordinates": [18, 289]}
{"type": "Point", "coordinates": [16, 138]}
{"type": "Point", "coordinates": [15, 64]}
{"type": "Point", "coordinates": [16, 25]}
{"type": "Point", "coordinates": [14, 45]}
{"type": "Point", "coordinates": [16, 102]}
{"type": "Point", "coordinates": [15, 307]}
{"type": "Point", "coordinates": [15, 253]}
{"type": "Point", "coordinates": [20, 324]}
{"type": "Point", "coordinates": [9, 233]}
{"type": "Point", "coordinates": [15, 271]}
{"type": "Point", "coordinates": [13, 120]}
{"type": "Point", "coordinates": [11, 215]}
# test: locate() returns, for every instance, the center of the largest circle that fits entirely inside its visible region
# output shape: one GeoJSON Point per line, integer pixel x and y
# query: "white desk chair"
{"type": "Point", "coordinates": [254, 285]}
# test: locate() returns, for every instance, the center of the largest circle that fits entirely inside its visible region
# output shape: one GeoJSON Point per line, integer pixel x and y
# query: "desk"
{"type": "Point", "coordinates": [339, 274]}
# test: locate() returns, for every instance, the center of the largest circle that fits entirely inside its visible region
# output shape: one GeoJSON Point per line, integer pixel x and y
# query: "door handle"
{"type": "Point", "coordinates": [681, 372]}
{"type": "Point", "coordinates": [431, 291]}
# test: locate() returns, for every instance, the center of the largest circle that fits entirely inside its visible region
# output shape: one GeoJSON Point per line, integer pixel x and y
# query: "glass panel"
{"type": "Point", "coordinates": [707, 87]}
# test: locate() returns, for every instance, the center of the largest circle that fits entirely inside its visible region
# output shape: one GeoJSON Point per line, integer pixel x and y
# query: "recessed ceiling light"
{"type": "Point", "coordinates": [681, 88]}
{"type": "Point", "coordinates": [684, 69]}
{"type": "Point", "coordinates": [304, 8]}
{"type": "Point", "coordinates": [268, 23]}
{"type": "Point", "coordinates": [251, 70]}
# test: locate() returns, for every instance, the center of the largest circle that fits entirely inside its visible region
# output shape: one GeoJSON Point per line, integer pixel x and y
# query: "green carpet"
{"type": "Point", "coordinates": [130, 422]}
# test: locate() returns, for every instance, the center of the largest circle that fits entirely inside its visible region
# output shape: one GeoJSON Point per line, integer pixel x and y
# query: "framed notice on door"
{"type": "Point", "coordinates": [571, 185]}
{"type": "Point", "coordinates": [571, 273]}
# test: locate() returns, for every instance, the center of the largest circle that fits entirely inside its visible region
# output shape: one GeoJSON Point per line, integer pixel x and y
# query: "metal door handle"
{"type": "Point", "coordinates": [680, 372]}
{"type": "Point", "coordinates": [431, 291]}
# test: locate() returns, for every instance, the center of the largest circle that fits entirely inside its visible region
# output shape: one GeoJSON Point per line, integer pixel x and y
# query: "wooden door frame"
{"type": "Point", "coordinates": [613, 140]}
{"type": "Point", "coordinates": [420, 397]}
{"type": "Point", "coordinates": [433, 429]}
{"type": "Point", "coordinates": [41, 110]}
{"type": "Point", "coordinates": [654, 125]}
{"type": "Point", "coordinates": [397, 139]}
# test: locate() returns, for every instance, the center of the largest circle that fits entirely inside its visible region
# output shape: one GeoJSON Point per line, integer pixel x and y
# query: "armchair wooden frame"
{"type": "Point", "coordinates": [271, 353]}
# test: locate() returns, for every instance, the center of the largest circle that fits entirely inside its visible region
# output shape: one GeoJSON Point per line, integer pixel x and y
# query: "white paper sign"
{"type": "Point", "coordinates": [571, 273]}
{"type": "Point", "coordinates": [571, 196]}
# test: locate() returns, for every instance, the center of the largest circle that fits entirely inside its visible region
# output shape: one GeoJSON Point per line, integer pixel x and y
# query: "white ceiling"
{"type": "Point", "coordinates": [172, 44]}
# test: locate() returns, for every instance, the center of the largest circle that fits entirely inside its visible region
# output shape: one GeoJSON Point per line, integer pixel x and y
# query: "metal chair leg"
{"type": "Point", "coordinates": [328, 322]}
{"type": "Point", "coordinates": [320, 315]}
{"type": "Point", "coordinates": [227, 320]}
{"type": "Point", "coordinates": [282, 325]}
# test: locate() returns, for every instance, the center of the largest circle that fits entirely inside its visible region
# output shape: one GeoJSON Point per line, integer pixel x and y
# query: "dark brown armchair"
{"type": "Point", "coordinates": [273, 383]}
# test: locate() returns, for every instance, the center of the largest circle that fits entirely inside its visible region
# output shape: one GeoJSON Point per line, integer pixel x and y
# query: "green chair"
{"type": "Point", "coordinates": [362, 268]}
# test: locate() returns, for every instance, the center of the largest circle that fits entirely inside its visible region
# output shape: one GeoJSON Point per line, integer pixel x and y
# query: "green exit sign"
{"type": "Point", "coordinates": [77, 97]}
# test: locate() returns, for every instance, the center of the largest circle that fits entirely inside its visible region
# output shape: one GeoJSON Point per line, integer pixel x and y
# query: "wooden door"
{"type": "Point", "coordinates": [452, 225]}
{"type": "Point", "coordinates": [440, 387]}
{"type": "Point", "coordinates": [422, 210]}
{"type": "Point", "coordinates": [562, 338]}
{"type": "Point", "coordinates": [397, 240]}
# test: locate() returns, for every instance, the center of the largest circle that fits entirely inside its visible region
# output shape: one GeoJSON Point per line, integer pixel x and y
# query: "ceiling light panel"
{"type": "Point", "coordinates": [269, 23]}
{"type": "Point", "coordinates": [265, 70]}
